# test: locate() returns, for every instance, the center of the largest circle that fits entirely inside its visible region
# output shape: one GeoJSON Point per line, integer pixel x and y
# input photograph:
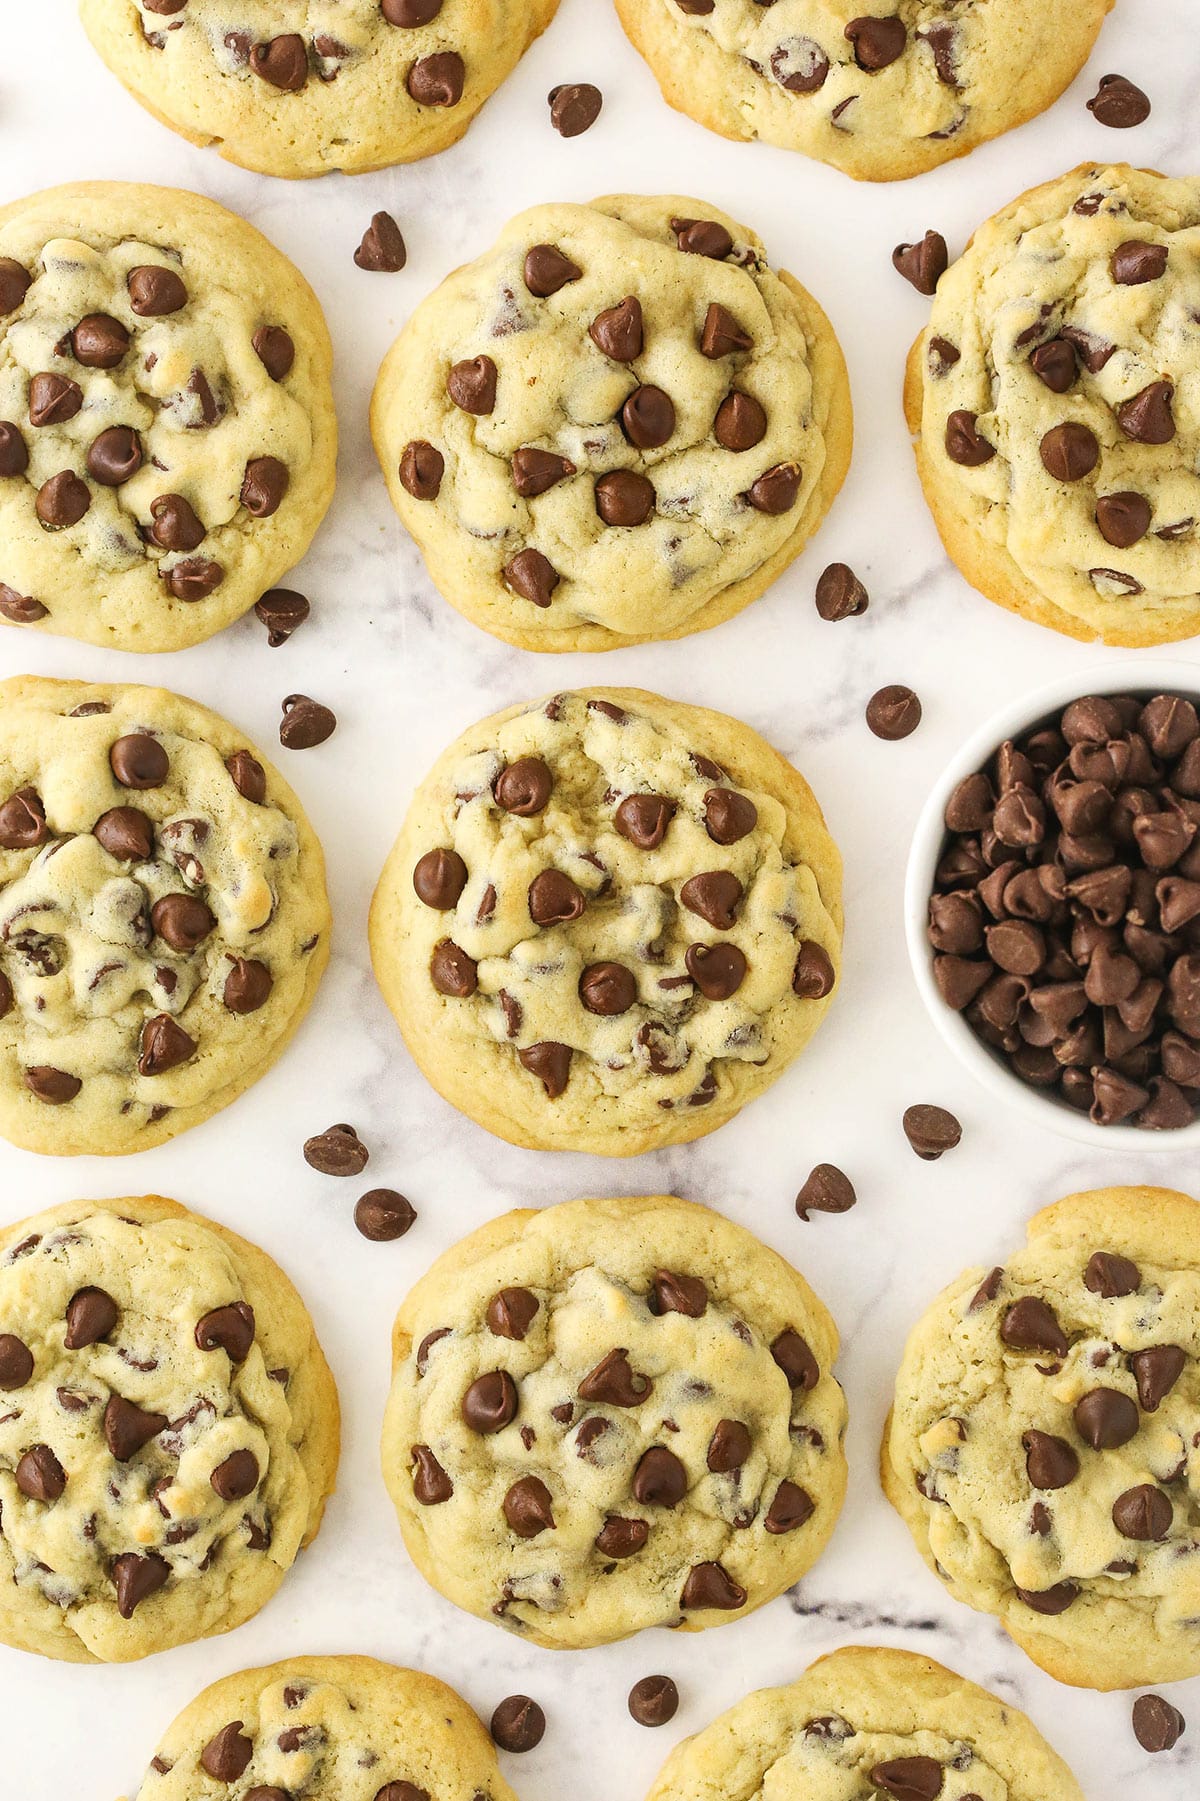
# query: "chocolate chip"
{"type": "Point", "coordinates": [614, 1383]}
{"type": "Point", "coordinates": [23, 820]}
{"type": "Point", "coordinates": [452, 972]}
{"type": "Point", "coordinates": [181, 921]}
{"type": "Point", "coordinates": [1157, 1725]}
{"type": "Point", "coordinates": [62, 501]}
{"type": "Point", "coordinates": [53, 1086]}
{"type": "Point", "coordinates": [275, 350]}
{"type": "Point", "coordinates": [624, 497]}
{"type": "Point", "coordinates": [282, 611]}
{"type": "Point", "coordinates": [14, 453]}
{"type": "Point", "coordinates": [1144, 1513]}
{"type": "Point", "coordinates": [154, 290]}
{"type": "Point", "coordinates": [813, 975]}
{"type": "Point", "coordinates": [421, 469]}
{"type": "Point", "coordinates": [174, 525]}
{"type": "Point", "coordinates": [840, 594]}
{"type": "Point", "coordinates": [643, 819]}
{"type": "Point", "coordinates": [16, 1361]}
{"type": "Point", "coordinates": [547, 269]}
{"type": "Point", "coordinates": [532, 576]}
{"type": "Point", "coordinates": [164, 1046]}
{"type": "Point", "coordinates": [964, 445]}
{"type": "Point", "coordinates": [1069, 451]}
{"type": "Point", "coordinates": [721, 334]}
{"type": "Point", "coordinates": [53, 399]}
{"type": "Point", "coordinates": [795, 1359]}
{"type": "Point", "coordinates": [826, 1190]}
{"type": "Point", "coordinates": [437, 80]}
{"type": "Point", "coordinates": [115, 456]}
{"type": "Point", "coordinates": [1030, 1325]}
{"type": "Point", "coordinates": [923, 264]}
{"type": "Point", "coordinates": [536, 471]}
{"type": "Point", "coordinates": [305, 723]}
{"type": "Point", "coordinates": [236, 1477]}
{"type": "Point", "coordinates": [194, 579]}
{"type": "Point", "coordinates": [39, 1475]}
{"type": "Point", "coordinates": [931, 1131]}
{"type": "Point", "coordinates": [574, 108]}
{"type": "Point", "coordinates": [491, 1402]}
{"type": "Point", "coordinates": [618, 330]}
{"type": "Point", "coordinates": [893, 713]}
{"type": "Point", "coordinates": [99, 341]}
{"type": "Point", "coordinates": [660, 1480]}
{"type": "Point", "coordinates": [715, 897]}
{"type": "Point", "coordinates": [230, 1329]}
{"type": "Point", "coordinates": [471, 385]}
{"type": "Point", "coordinates": [675, 1293]}
{"type": "Point", "coordinates": [718, 970]}
{"type": "Point", "coordinates": [1054, 365]}
{"type": "Point", "coordinates": [528, 1507]}
{"type": "Point", "coordinates": [648, 420]}
{"type": "Point", "coordinates": [518, 1724]}
{"type": "Point", "coordinates": [608, 989]}
{"type": "Point", "coordinates": [382, 1215]}
{"type": "Point", "coordinates": [338, 1151]}
{"type": "Point", "coordinates": [1118, 103]}
{"type": "Point", "coordinates": [136, 1578]}
{"type": "Point", "coordinates": [550, 1062]}
{"type": "Point", "coordinates": [248, 985]}
{"type": "Point", "coordinates": [1147, 418]}
{"type": "Point", "coordinates": [710, 1585]}
{"type": "Point", "coordinates": [264, 486]}
{"type": "Point", "coordinates": [382, 250]}
{"type": "Point", "coordinates": [1156, 1372]}
{"type": "Point", "coordinates": [702, 237]}
{"type": "Point", "coordinates": [910, 1778]}
{"type": "Point", "coordinates": [1110, 1276]}
{"type": "Point", "coordinates": [511, 1312]}
{"type": "Point", "coordinates": [410, 13]}
{"type": "Point", "coordinates": [620, 1538]}
{"type": "Point", "coordinates": [282, 62]}
{"type": "Point", "coordinates": [1050, 1601]}
{"type": "Point", "coordinates": [1049, 1461]}
{"type": "Point", "coordinates": [728, 815]}
{"type": "Point", "coordinates": [14, 284]}
{"type": "Point", "coordinates": [432, 1487]}
{"type": "Point", "coordinates": [227, 1755]}
{"type": "Point", "coordinates": [139, 761]}
{"type": "Point", "coordinates": [653, 1701]}
{"type": "Point", "coordinates": [776, 491]}
{"type": "Point", "coordinates": [554, 899]}
{"type": "Point", "coordinates": [91, 1315]}
{"type": "Point", "coordinates": [128, 1428]}
{"type": "Point", "coordinates": [1135, 262]}
{"type": "Point", "coordinates": [248, 776]}
{"type": "Point", "coordinates": [1106, 1419]}
{"type": "Point", "coordinates": [1123, 519]}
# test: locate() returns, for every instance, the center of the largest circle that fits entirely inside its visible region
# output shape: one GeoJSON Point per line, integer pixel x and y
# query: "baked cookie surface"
{"type": "Point", "coordinates": [1055, 403]}
{"type": "Point", "coordinates": [330, 1729]}
{"type": "Point", "coordinates": [879, 95]}
{"type": "Point", "coordinates": [619, 424]}
{"type": "Point", "coordinates": [613, 1414]}
{"type": "Point", "coordinates": [863, 1723]}
{"type": "Point", "coordinates": [301, 87]}
{"type": "Point", "coordinates": [163, 918]}
{"type": "Point", "coordinates": [167, 433]}
{"type": "Point", "coordinates": [168, 1429]}
{"type": "Point", "coordinates": [1043, 1444]}
{"type": "Point", "coordinates": [609, 921]}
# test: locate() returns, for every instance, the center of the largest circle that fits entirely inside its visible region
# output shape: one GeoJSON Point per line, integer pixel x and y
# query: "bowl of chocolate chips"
{"type": "Point", "coordinates": [1053, 905]}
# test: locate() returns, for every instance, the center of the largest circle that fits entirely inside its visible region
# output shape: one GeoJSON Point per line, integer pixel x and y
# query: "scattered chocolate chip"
{"type": "Point", "coordinates": [653, 1701]}
{"type": "Point", "coordinates": [382, 1215]}
{"type": "Point", "coordinates": [518, 1724]}
{"type": "Point", "coordinates": [1118, 103]}
{"type": "Point", "coordinates": [721, 334]}
{"type": "Point", "coordinates": [1147, 418]}
{"type": "Point", "coordinates": [840, 594]}
{"type": "Point", "coordinates": [1030, 1325]}
{"type": "Point", "coordinates": [305, 723]}
{"type": "Point", "coordinates": [622, 1538]}
{"type": "Point", "coordinates": [338, 1151]}
{"type": "Point", "coordinates": [931, 1131]}
{"type": "Point", "coordinates": [14, 452]}
{"type": "Point", "coordinates": [574, 108]}
{"type": "Point", "coordinates": [236, 1477]}
{"type": "Point", "coordinates": [893, 713]}
{"type": "Point", "coordinates": [1157, 1725]}
{"type": "Point", "coordinates": [1135, 262]}
{"type": "Point", "coordinates": [923, 264]}
{"type": "Point", "coordinates": [282, 611]}
{"type": "Point", "coordinates": [625, 498]}
{"type": "Point", "coordinates": [554, 899]}
{"type": "Point", "coordinates": [826, 1190]}
{"type": "Point", "coordinates": [382, 250]}
{"type": "Point", "coordinates": [1144, 1513]}
{"type": "Point", "coordinates": [173, 523]}
{"type": "Point", "coordinates": [164, 1046]}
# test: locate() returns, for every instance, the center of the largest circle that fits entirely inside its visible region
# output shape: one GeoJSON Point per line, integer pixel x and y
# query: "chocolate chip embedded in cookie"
{"type": "Point", "coordinates": [159, 1470]}
{"type": "Point", "coordinates": [611, 1415]}
{"type": "Point", "coordinates": [156, 350]}
{"type": "Point", "coordinates": [163, 919]}
{"type": "Point", "coordinates": [881, 94]}
{"type": "Point", "coordinates": [609, 921]}
{"type": "Point", "coordinates": [355, 85]}
{"type": "Point", "coordinates": [871, 1722]}
{"type": "Point", "coordinates": [1051, 401]}
{"type": "Point", "coordinates": [332, 1728]}
{"type": "Point", "coordinates": [619, 424]}
{"type": "Point", "coordinates": [1041, 1447]}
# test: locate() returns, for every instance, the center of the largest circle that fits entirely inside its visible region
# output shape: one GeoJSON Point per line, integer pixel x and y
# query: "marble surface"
{"type": "Point", "coordinates": [404, 673]}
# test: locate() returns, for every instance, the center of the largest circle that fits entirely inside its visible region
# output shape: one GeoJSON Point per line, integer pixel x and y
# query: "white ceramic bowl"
{"type": "Point", "coordinates": [1127, 676]}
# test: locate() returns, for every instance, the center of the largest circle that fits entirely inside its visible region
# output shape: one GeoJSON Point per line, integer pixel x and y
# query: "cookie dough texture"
{"type": "Point", "coordinates": [862, 1710]}
{"type": "Point", "coordinates": [167, 433]}
{"type": "Point", "coordinates": [1088, 1336]}
{"type": "Point", "coordinates": [645, 336]}
{"type": "Point", "coordinates": [676, 972]}
{"type": "Point", "coordinates": [158, 944]}
{"type": "Point", "coordinates": [330, 1729]}
{"type": "Point", "coordinates": [672, 1453]}
{"type": "Point", "coordinates": [307, 86]}
{"type": "Point", "coordinates": [131, 1548]}
{"type": "Point", "coordinates": [929, 81]}
{"type": "Point", "coordinates": [1049, 281]}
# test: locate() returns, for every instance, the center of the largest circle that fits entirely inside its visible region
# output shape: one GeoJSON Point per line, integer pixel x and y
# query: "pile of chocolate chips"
{"type": "Point", "coordinates": [1065, 917]}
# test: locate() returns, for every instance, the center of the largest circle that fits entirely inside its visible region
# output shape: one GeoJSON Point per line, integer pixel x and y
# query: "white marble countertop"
{"type": "Point", "coordinates": [404, 674]}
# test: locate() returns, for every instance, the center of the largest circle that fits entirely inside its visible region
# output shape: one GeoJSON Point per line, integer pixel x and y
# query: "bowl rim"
{"type": "Point", "coordinates": [1123, 676]}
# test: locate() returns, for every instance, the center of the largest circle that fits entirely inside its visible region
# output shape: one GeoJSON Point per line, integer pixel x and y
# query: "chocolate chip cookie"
{"type": "Point", "coordinates": [163, 919]}
{"type": "Point", "coordinates": [167, 434]}
{"type": "Point", "coordinates": [330, 1729]}
{"type": "Point", "coordinates": [610, 920]}
{"type": "Point", "coordinates": [880, 95]}
{"type": "Point", "coordinates": [619, 424]}
{"type": "Point", "coordinates": [865, 1724]}
{"type": "Point", "coordinates": [1043, 1444]}
{"type": "Point", "coordinates": [168, 1430]}
{"type": "Point", "coordinates": [301, 87]}
{"type": "Point", "coordinates": [1053, 402]}
{"type": "Point", "coordinates": [613, 1414]}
